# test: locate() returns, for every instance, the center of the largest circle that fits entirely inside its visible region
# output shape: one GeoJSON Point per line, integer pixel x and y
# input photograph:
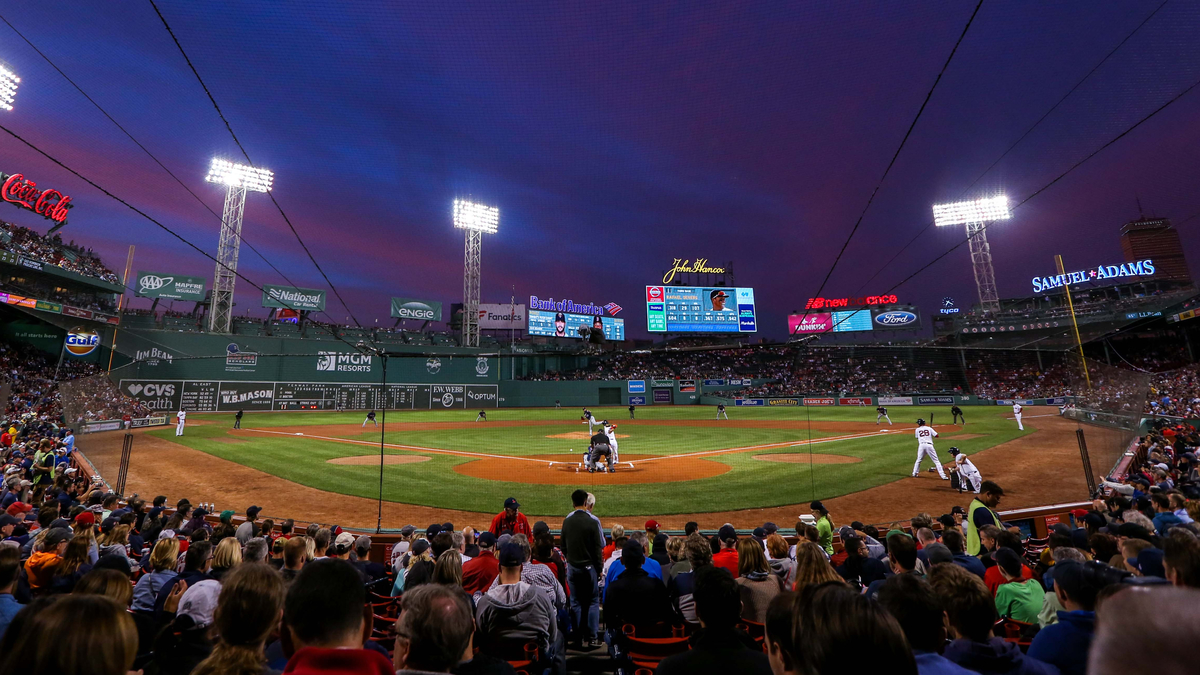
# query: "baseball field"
{"type": "Point", "coordinates": [673, 460]}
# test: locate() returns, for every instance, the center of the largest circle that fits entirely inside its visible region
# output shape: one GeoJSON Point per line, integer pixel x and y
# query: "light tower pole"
{"type": "Point", "coordinates": [475, 219]}
{"type": "Point", "coordinates": [976, 215]}
{"type": "Point", "coordinates": [237, 179]}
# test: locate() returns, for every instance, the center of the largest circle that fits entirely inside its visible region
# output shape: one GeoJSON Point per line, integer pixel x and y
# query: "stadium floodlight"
{"type": "Point", "coordinates": [237, 179]}
{"type": "Point", "coordinates": [469, 215]}
{"type": "Point", "coordinates": [8, 87]}
{"type": "Point", "coordinates": [474, 219]}
{"type": "Point", "coordinates": [976, 214]}
{"type": "Point", "coordinates": [239, 175]}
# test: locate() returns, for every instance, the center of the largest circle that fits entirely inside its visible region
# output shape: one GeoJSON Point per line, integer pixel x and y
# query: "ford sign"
{"type": "Point", "coordinates": [895, 319]}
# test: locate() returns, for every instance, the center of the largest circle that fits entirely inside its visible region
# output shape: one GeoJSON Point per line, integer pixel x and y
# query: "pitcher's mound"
{"type": "Point", "coordinates": [805, 458]}
{"type": "Point", "coordinates": [564, 470]}
{"type": "Point", "coordinates": [373, 460]}
{"type": "Point", "coordinates": [579, 436]}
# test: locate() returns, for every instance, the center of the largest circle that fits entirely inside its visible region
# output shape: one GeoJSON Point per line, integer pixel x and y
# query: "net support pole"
{"type": "Point", "coordinates": [1058, 262]}
{"type": "Point", "coordinates": [382, 433]}
{"type": "Point", "coordinates": [1087, 462]}
{"type": "Point", "coordinates": [120, 305]}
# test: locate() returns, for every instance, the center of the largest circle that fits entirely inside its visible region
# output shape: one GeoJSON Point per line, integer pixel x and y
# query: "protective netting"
{"type": "Point", "coordinates": [1109, 406]}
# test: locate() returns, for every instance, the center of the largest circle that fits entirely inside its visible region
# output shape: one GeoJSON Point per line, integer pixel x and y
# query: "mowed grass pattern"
{"type": "Point", "coordinates": [749, 483]}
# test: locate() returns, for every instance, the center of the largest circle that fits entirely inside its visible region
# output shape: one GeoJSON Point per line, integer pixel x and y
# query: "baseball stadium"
{"type": "Point", "coordinates": [202, 354]}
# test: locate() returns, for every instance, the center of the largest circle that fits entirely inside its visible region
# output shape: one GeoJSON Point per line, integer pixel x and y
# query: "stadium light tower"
{"type": "Point", "coordinates": [976, 215]}
{"type": "Point", "coordinates": [8, 87]}
{"type": "Point", "coordinates": [475, 219]}
{"type": "Point", "coordinates": [237, 179]}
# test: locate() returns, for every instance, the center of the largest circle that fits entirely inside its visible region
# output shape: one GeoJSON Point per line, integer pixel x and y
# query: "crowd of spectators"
{"type": "Point", "coordinates": [51, 392]}
{"type": "Point", "coordinates": [52, 250]}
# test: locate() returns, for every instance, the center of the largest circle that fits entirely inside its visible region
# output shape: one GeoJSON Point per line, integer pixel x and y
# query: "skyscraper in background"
{"type": "Point", "coordinates": [1155, 239]}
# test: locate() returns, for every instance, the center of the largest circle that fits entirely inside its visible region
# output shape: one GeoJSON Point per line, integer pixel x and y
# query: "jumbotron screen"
{"type": "Point", "coordinates": [566, 324]}
{"type": "Point", "coordinates": [694, 309]}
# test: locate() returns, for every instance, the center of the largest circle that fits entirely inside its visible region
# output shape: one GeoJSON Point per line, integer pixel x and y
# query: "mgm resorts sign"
{"type": "Point", "coordinates": [1139, 268]}
{"type": "Point", "coordinates": [343, 362]}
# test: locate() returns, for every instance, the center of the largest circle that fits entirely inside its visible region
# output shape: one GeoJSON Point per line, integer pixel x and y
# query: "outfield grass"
{"type": "Point", "coordinates": [749, 483]}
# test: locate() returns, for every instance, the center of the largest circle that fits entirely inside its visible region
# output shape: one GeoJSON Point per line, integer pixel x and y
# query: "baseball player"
{"type": "Point", "coordinates": [482, 416]}
{"type": "Point", "coordinates": [1017, 413]}
{"type": "Point", "coordinates": [237, 419]}
{"type": "Point", "coordinates": [371, 419]}
{"type": "Point", "coordinates": [882, 415]}
{"type": "Point", "coordinates": [967, 473]}
{"type": "Point", "coordinates": [181, 416]}
{"type": "Point", "coordinates": [599, 448]}
{"type": "Point", "coordinates": [958, 415]}
{"type": "Point", "coordinates": [610, 430]}
{"type": "Point", "coordinates": [925, 436]}
{"type": "Point", "coordinates": [721, 411]}
{"type": "Point", "coordinates": [632, 410]}
{"type": "Point", "coordinates": [590, 419]}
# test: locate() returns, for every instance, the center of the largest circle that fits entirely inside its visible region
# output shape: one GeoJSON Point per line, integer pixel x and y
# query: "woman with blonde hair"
{"type": "Point", "coordinates": [227, 556]}
{"type": "Point", "coordinates": [812, 567]}
{"type": "Point", "coordinates": [248, 610]}
{"type": "Point", "coordinates": [110, 583]}
{"type": "Point", "coordinates": [116, 542]}
{"type": "Point", "coordinates": [757, 584]}
{"type": "Point", "coordinates": [447, 570]}
{"type": "Point", "coordinates": [163, 558]}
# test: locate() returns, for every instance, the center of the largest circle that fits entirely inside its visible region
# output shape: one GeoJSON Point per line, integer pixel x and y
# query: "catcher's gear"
{"type": "Point", "coordinates": [920, 422]}
{"type": "Point", "coordinates": [954, 451]}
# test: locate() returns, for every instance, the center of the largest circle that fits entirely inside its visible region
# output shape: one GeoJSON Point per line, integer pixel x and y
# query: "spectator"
{"type": "Point", "coordinates": [109, 583]}
{"type": "Point", "coordinates": [1017, 598]}
{"type": "Point", "coordinates": [954, 540]}
{"type": "Point", "coordinates": [681, 587]}
{"type": "Point", "coordinates": [255, 550]}
{"type": "Point", "coordinates": [679, 562]}
{"type": "Point", "coordinates": [1181, 559]}
{"type": "Point", "coordinates": [902, 558]}
{"type": "Point", "coordinates": [295, 554]}
{"type": "Point", "coordinates": [757, 584]}
{"type": "Point", "coordinates": [914, 605]}
{"type": "Point", "coordinates": [718, 647]}
{"type": "Point", "coordinates": [982, 512]}
{"type": "Point", "coordinates": [661, 554]}
{"type": "Point", "coordinates": [75, 634]}
{"type": "Point", "coordinates": [636, 598]}
{"type": "Point", "coordinates": [781, 653]}
{"type": "Point", "coordinates": [510, 520]}
{"type": "Point", "coordinates": [196, 564]}
{"type": "Point", "coordinates": [726, 557]}
{"type": "Point", "coordinates": [583, 542]}
{"type": "Point", "coordinates": [617, 532]}
{"type": "Point", "coordinates": [545, 553]}
{"type": "Point", "coordinates": [185, 641]}
{"type": "Point", "coordinates": [470, 545]}
{"type": "Point", "coordinates": [824, 526]}
{"type": "Point", "coordinates": [40, 566]}
{"type": "Point", "coordinates": [162, 573]}
{"type": "Point", "coordinates": [478, 572]}
{"type": "Point", "coordinates": [777, 556]}
{"type": "Point", "coordinates": [71, 568]}
{"type": "Point", "coordinates": [539, 576]}
{"type": "Point", "coordinates": [832, 623]}
{"type": "Point", "coordinates": [362, 550]}
{"type": "Point", "coordinates": [447, 569]}
{"type": "Point", "coordinates": [324, 621]}
{"type": "Point", "coordinates": [515, 610]}
{"type": "Point", "coordinates": [433, 631]}
{"type": "Point", "coordinates": [859, 569]}
{"type": "Point", "coordinates": [1065, 644]}
{"type": "Point", "coordinates": [971, 611]}
{"type": "Point", "coordinates": [1164, 515]}
{"type": "Point", "coordinates": [420, 566]}
{"type": "Point", "coordinates": [993, 578]}
{"type": "Point", "coordinates": [249, 529]}
{"type": "Point", "coordinates": [616, 567]}
{"type": "Point", "coordinates": [10, 567]}
{"type": "Point", "coordinates": [1153, 631]}
{"type": "Point", "coordinates": [248, 610]}
{"type": "Point", "coordinates": [227, 556]}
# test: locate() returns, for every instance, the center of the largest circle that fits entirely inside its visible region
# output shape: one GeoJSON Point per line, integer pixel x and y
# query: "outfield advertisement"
{"type": "Point", "coordinates": [750, 401]}
{"type": "Point", "coordinates": [819, 401]}
{"type": "Point", "coordinates": [417, 310]}
{"type": "Point", "coordinates": [170, 286]}
{"type": "Point", "coordinates": [860, 400]}
{"type": "Point", "coordinates": [212, 396]}
{"type": "Point", "coordinates": [290, 297]}
{"type": "Point", "coordinates": [895, 400]}
{"type": "Point", "coordinates": [935, 400]}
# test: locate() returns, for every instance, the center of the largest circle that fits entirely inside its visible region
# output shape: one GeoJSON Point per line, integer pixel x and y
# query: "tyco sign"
{"type": "Point", "coordinates": [421, 310]}
{"type": "Point", "coordinates": [170, 287]}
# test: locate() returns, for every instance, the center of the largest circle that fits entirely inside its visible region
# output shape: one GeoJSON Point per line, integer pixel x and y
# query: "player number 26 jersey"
{"type": "Point", "coordinates": [925, 435]}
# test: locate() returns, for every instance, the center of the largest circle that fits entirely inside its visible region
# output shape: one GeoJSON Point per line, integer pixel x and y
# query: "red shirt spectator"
{"type": "Point", "coordinates": [727, 558]}
{"type": "Point", "coordinates": [993, 579]}
{"type": "Point", "coordinates": [479, 572]}
{"type": "Point", "coordinates": [511, 520]}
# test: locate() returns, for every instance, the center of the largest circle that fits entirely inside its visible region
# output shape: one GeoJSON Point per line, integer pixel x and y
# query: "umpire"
{"type": "Point", "coordinates": [600, 448]}
{"type": "Point", "coordinates": [958, 415]}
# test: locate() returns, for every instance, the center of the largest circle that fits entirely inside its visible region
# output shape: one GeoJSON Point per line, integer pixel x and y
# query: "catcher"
{"type": "Point", "coordinates": [963, 474]}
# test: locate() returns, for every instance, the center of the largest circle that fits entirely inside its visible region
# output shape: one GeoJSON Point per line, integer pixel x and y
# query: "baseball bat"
{"type": "Point", "coordinates": [931, 419]}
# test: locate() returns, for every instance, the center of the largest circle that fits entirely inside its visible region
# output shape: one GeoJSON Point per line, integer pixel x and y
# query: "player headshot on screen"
{"type": "Point", "coordinates": [560, 325]}
{"type": "Point", "coordinates": [597, 325]}
{"type": "Point", "coordinates": [718, 300]}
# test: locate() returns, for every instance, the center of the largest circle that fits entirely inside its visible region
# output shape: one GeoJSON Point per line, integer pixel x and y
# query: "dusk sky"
{"type": "Point", "coordinates": [613, 136]}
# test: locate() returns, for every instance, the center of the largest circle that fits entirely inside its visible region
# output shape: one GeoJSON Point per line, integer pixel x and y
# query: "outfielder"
{"type": "Point", "coordinates": [882, 415]}
{"type": "Point", "coordinates": [181, 416]}
{"type": "Point", "coordinates": [610, 430]}
{"type": "Point", "coordinates": [1017, 413]}
{"type": "Point", "coordinates": [925, 436]}
{"type": "Point", "coordinates": [590, 419]}
{"type": "Point", "coordinates": [967, 473]}
{"type": "Point", "coordinates": [371, 419]}
{"type": "Point", "coordinates": [721, 411]}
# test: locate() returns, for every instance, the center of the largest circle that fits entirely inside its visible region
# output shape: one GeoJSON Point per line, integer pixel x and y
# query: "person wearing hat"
{"type": "Point", "coordinates": [40, 567]}
{"type": "Point", "coordinates": [1017, 598]}
{"type": "Point", "coordinates": [824, 526]}
{"type": "Point", "coordinates": [515, 609]}
{"type": "Point", "coordinates": [718, 297]}
{"type": "Point", "coordinates": [249, 529]}
{"type": "Point", "coordinates": [968, 476]}
{"type": "Point", "coordinates": [362, 550]}
{"type": "Point", "coordinates": [727, 557]}
{"type": "Point", "coordinates": [1066, 643]}
{"type": "Point", "coordinates": [651, 528]}
{"type": "Point", "coordinates": [636, 598]}
{"type": "Point", "coordinates": [480, 571]}
{"type": "Point", "coordinates": [511, 520]}
{"type": "Point", "coordinates": [982, 512]}
{"type": "Point", "coordinates": [343, 544]}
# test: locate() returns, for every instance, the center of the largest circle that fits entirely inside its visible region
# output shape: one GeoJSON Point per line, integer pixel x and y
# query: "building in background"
{"type": "Point", "coordinates": [1155, 239]}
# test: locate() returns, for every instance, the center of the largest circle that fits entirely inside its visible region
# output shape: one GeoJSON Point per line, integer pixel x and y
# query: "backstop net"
{"type": "Point", "coordinates": [1109, 405]}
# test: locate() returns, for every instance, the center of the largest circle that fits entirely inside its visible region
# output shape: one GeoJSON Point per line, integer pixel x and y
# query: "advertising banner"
{"type": "Point", "coordinates": [289, 297]}
{"type": "Point", "coordinates": [714, 383]}
{"type": "Point", "coordinates": [819, 401]}
{"type": "Point", "coordinates": [675, 309]}
{"type": "Point", "coordinates": [749, 401]}
{"type": "Point", "coordinates": [233, 396]}
{"type": "Point", "coordinates": [170, 286]}
{"type": "Point", "coordinates": [417, 310]}
{"type": "Point", "coordinates": [662, 383]}
{"type": "Point", "coordinates": [895, 400]}
{"type": "Point", "coordinates": [502, 317]}
{"type": "Point", "coordinates": [687, 386]}
{"type": "Point", "coordinates": [565, 324]}
{"type": "Point", "coordinates": [662, 395]}
{"type": "Point", "coordinates": [896, 319]}
{"type": "Point", "coordinates": [783, 401]}
{"type": "Point", "coordinates": [637, 386]}
{"type": "Point", "coordinates": [168, 396]}
{"type": "Point", "coordinates": [863, 400]}
{"type": "Point", "coordinates": [153, 421]}
{"type": "Point", "coordinates": [105, 425]}
{"type": "Point", "coordinates": [817, 322]}
{"type": "Point", "coordinates": [637, 400]}
{"type": "Point", "coordinates": [935, 400]}
{"type": "Point", "coordinates": [1010, 401]}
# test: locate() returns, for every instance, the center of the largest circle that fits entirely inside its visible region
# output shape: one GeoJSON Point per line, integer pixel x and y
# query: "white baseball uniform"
{"type": "Point", "coordinates": [967, 473]}
{"type": "Point", "coordinates": [1017, 413]}
{"type": "Point", "coordinates": [925, 435]}
{"type": "Point", "coordinates": [181, 416]}
{"type": "Point", "coordinates": [611, 432]}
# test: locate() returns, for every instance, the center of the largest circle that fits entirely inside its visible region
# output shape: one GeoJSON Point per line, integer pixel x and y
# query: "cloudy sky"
{"type": "Point", "coordinates": [613, 137]}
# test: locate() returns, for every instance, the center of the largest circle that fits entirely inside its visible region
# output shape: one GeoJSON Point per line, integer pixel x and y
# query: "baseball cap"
{"type": "Point", "coordinates": [718, 293]}
{"type": "Point", "coordinates": [114, 561]}
{"type": "Point", "coordinates": [727, 533]}
{"type": "Point", "coordinates": [407, 530]}
{"type": "Point", "coordinates": [362, 542]}
{"type": "Point", "coordinates": [487, 540]}
{"type": "Point", "coordinates": [512, 555]}
{"type": "Point", "coordinates": [447, 527]}
{"type": "Point", "coordinates": [253, 511]}
{"type": "Point", "coordinates": [651, 525]}
{"type": "Point", "coordinates": [166, 534]}
{"type": "Point", "coordinates": [19, 507]}
{"type": "Point", "coordinates": [199, 513]}
{"type": "Point", "coordinates": [958, 509]}
{"type": "Point", "coordinates": [199, 602]}
{"type": "Point", "coordinates": [938, 553]}
{"type": "Point", "coordinates": [60, 522]}
{"type": "Point", "coordinates": [539, 527]}
{"type": "Point", "coordinates": [420, 547]}
{"type": "Point", "coordinates": [344, 542]}
{"type": "Point", "coordinates": [817, 506]}
{"type": "Point", "coordinates": [1008, 560]}
{"type": "Point", "coordinates": [227, 515]}
{"type": "Point", "coordinates": [6, 520]}
{"type": "Point", "coordinates": [1150, 563]}
{"type": "Point", "coordinates": [633, 555]}
{"type": "Point", "coordinates": [511, 503]}
{"type": "Point", "coordinates": [1133, 531]}
{"type": "Point", "coordinates": [56, 536]}
{"type": "Point", "coordinates": [770, 528]}
{"type": "Point", "coordinates": [758, 533]}
{"type": "Point", "coordinates": [433, 530]}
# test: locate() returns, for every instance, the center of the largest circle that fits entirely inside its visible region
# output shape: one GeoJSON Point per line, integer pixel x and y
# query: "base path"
{"type": "Point", "coordinates": [1035, 470]}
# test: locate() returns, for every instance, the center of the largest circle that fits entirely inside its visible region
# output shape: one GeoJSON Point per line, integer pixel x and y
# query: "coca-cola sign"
{"type": "Point", "coordinates": [49, 204]}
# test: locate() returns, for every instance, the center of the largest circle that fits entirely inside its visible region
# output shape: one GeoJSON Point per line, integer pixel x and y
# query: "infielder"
{"type": "Point", "coordinates": [181, 416]}
{"type": "Point", "coordinates": [882, 415]}
{"type": "Point", "coordinates": [1017, 413]}
{"type": "Point", "coordinates": [482, 416]}
{"type": "Point", "coordinates": [925, 436]}
{"type": "Point", "coordinates": [967, 473]}
{"type": "Point", "coordinates": [371, 419]}
{"type": "Point", "coordinates": [610, 430]}
{"type": "Point", "coordinates": [957, 413]}
{"type": "Point", "coordinates": [721, 411]}
{"type": "Point", "coordinates": [590, 419]}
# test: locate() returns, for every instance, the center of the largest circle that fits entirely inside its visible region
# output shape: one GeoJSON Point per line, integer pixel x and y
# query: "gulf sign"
{"type": "Point", "coordinates": [81, 342]}
{"type": "Point", "coordinates": [803, 324]}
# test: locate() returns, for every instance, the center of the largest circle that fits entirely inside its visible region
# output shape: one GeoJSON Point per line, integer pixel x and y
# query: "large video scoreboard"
{"type": "Point", "coordinates": [695, 309]}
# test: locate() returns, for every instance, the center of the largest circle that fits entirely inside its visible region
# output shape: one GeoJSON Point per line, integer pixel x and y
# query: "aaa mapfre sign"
{"type": "Point", "coordinates": [24, 193]}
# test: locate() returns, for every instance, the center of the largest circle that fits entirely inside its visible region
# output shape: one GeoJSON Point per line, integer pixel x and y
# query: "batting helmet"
{"type": "Point", "coordinates": [920, 422]}
{"type": "Point", "coordinates": [954, 451]}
